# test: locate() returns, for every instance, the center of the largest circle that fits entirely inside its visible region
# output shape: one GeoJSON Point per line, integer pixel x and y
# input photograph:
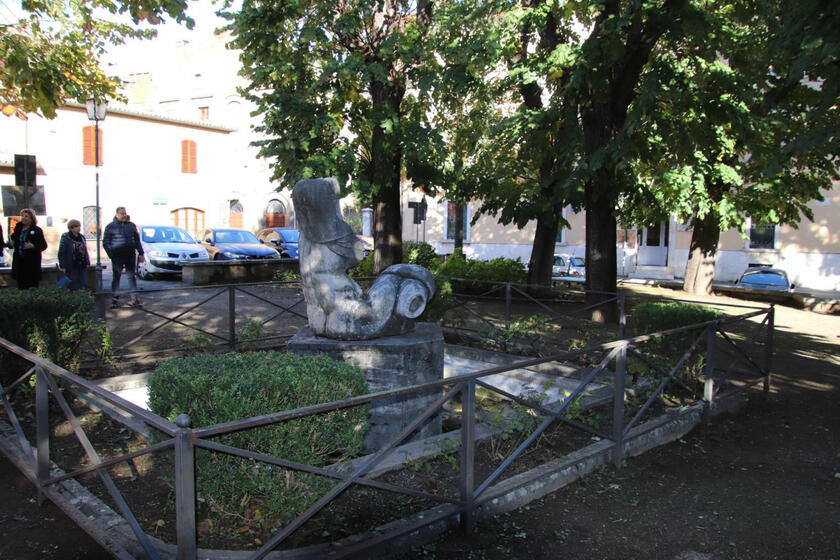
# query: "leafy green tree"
{"type": "Point", "coordinates": [507, 135]}
{"type": "Point", "coordinates": [52, 55]}
{"type": "Point", "coordinates": [331, 83]}
{"type": "Point", "coordinates": [609, 69]}
{"type": "Point", "coordinates": [577, 66]}
{"type": "Point", "coordinates": [719, 135]}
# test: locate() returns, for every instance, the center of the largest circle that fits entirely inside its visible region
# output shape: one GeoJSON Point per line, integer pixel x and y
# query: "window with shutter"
{"type": "Point", "coordinates": [88, 146]}
{"type": "Point", "coordinates": [188, 156]}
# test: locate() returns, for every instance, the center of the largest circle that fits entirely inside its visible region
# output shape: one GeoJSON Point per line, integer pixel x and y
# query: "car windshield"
{"type": "Point", "coordinates": [577, 261]}
{"type": "Point", "coordinates": [236, 236]}
{"type": "Point", "coordinates": [289, 235]}
{"type": "Point", "coordinates": [558, 261]}
{"type": "Point", "coordinates": [764, 278]}
{"type": "Point", "coordinates": [164, 234]}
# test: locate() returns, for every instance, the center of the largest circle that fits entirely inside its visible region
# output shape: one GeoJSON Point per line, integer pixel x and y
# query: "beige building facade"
{"type": "Point", "coordinates": [810, 253]}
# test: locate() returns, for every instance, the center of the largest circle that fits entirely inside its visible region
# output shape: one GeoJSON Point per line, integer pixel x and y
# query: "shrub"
{"type": "Point", "coordinates": [414, 252]}
{"type": "Point", "coordinates": [53, 323]}
{"type": "Point", "coordinates": [472, 276]}
{"type": "Point", "coordinates": [660, 316]}
{"type": "Point", "coordinates": [214, 388]}
{"type": "Point", "coordinates": [420, 252]}
{"type": "Point", "coordinates": [364, 268]}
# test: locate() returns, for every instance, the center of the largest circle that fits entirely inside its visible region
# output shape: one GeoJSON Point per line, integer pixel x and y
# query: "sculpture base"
{"type": "Point", "coordinates": [388, 363]}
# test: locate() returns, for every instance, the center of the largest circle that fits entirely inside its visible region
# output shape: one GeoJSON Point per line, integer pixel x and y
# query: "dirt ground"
{"type": "Point", "coordinates": [762, 483]}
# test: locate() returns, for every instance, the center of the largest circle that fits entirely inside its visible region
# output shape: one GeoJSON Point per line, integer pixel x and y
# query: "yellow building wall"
{"type": "Point", "coordinates": [822, 235]}
{"type": "Point", "coordinates": [487, 230]}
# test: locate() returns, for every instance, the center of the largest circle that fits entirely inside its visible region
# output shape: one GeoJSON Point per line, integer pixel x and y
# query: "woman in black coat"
{"type": "Point", "coordinates": [28, 242]}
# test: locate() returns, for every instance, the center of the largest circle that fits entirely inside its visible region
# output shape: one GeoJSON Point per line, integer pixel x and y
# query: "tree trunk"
{"type": "Point", "coordinates": [611, 90]}
{"type": "Point", "coordinates": [542, 250]}
{"type": "Point", "coordinates": [459, 228]}
{"type": "Point", "coordinates": [700, 268]}
{"type": "Point", "coordinates": [384, 176]}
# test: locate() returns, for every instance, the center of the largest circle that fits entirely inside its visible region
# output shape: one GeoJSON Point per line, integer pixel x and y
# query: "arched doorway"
{"type": "Point", "coordinates": [189, 219]}
{"type": "Point", "coordinates": [275, 214]}
{"type": "Point", "coordinates": [235, 214]}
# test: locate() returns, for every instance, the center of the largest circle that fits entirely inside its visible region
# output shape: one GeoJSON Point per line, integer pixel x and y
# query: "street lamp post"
{"type": "Point", "coordinates": [96, 111]}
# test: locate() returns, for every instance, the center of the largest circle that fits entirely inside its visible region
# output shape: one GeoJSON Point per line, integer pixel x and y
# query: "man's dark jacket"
{"type": "Point", "coordinates": [121, 239]}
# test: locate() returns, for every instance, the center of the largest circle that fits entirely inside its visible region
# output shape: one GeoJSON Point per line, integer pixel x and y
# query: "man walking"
{"type": "Point", "coordinates": [120, 241]}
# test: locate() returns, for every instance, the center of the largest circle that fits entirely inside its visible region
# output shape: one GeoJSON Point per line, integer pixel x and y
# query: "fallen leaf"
{"type": "Point", "coordinates": [204, 527]}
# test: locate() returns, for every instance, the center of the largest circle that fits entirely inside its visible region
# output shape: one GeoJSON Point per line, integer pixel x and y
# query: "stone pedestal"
{"type": "Point", "coordinates": [388, 363]}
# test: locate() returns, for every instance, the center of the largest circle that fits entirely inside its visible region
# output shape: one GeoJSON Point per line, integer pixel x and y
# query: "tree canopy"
{"type": "Point", "coordinates": [331, 85]}
{"type": "Point", "coordinates": [52, 53]}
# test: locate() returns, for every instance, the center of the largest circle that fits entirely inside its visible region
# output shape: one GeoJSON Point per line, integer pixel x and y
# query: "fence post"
{"type": "Point", "coordinates": [768, 348]}
{"type": "Point", "coordinates": [622, 315]}
{"type": "Point", "coordinates": [467, 456]}
{"type": "Point", "coordinates": [619, 381]}
{"type": "Point", "coordinates": [232, 317]}
{"type": "Point", "coordinates": [185, 489]}
{"type": "Point", "coordinates": [709, 386]}
{"type": "Point", "coordinates": [507, 305]}
{"type": "Point", "coordinates": [42, 430]}
{"type": "Point", "coordinates": [101, 303]}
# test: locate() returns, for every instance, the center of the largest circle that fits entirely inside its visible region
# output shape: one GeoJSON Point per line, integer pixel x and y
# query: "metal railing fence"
{"type": "Point", "coordinates": [184, 440]}
{"type": "Point", "coordinates": [219, 313]}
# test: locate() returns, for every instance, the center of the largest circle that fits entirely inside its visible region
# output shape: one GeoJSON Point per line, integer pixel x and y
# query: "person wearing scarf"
{"type": "Point", "coordinates": [73, 259]}
{"type": "Point", "coordinates": [28, 243]}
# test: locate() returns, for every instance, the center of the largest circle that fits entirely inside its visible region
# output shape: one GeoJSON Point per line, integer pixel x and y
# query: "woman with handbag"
{"type": "Point", "coordinates": [28, 243]}
{"type": "Point", "coordinates": [73, 259]}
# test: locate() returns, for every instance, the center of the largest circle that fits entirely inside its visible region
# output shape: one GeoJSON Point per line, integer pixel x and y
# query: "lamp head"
{"type": "Point", "coordinates": [96, 110]}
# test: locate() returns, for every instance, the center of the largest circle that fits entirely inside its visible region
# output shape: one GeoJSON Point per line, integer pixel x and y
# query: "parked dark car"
{"type": "Point", "coordinates": [765, 279]}
{"type": "Point", "coordinates": [235, 244]}
{"type": "Point", "coordinates": [284, 240]}
{"type": "Point", "coordinates": [762, 284]}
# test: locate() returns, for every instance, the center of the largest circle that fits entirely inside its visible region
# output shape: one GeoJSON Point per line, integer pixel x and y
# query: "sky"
{"type": "Point", "coordinates": [206, 21]}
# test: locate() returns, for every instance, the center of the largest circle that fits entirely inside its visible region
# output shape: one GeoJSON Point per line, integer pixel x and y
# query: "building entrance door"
{"type": "Point", "coordinates": [653, 250]}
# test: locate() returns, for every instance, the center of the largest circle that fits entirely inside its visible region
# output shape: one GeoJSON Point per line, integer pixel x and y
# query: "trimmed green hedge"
{"type": "Point", "coordinates": [214, 388]}
{"type": "Point", "coordinates": [52, 323]}
{"type": "Point", "coordinates": [472, 276]}
{"type": "Point", "coordinates": [661, 316]}
{"type": "Point", "coordinates": [414, 252]}
{"type": "Point", "coordinates": [651, 317]}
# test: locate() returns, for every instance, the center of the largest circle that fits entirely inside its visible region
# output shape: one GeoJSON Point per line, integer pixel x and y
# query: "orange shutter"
{"type": "Point", "coordinates": [88, 145]}
{"type": "Point", "coordinates": [188, 156]}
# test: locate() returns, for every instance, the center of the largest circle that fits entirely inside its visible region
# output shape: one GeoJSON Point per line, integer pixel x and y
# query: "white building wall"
{"type": "Point", "coordinates": [140, 168]}
{"type": "Point", "coordinates": [813, 271]}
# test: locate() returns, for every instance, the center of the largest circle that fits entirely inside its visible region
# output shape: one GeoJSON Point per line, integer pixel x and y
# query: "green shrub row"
{"type": "Point", "coordinates": [650, 317]}
{"type": "Point", "coordinates": [661, 316]}
{"type": "Point", "coordinates": [457, 274]}
{"type": "Point", "coordinates": [474, 276]}
{"type": "Point", "coordinates": [55, 324]}
{"type": "Point", "coordinates": [214, 388]}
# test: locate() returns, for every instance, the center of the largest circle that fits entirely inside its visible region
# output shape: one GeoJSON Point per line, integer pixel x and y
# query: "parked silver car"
{"type": "Point", "coordinates": [167, 248]}
{"type": "Point", "coordinates": [568, 269]}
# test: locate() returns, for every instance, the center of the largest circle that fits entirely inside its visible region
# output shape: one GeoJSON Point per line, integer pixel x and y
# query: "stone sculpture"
{"type": "Point", "coordinates": [336, 305]}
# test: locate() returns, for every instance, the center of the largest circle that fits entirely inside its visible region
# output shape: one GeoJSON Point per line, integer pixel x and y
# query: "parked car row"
{"type": "Point", "coordinates": [168, 248]}
{"type": "Point", "coordinates": [568, 270]}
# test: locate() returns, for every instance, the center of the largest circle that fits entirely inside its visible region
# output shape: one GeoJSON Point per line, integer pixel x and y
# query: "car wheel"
{"type": "Point", "coordinates": [143, 272]}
